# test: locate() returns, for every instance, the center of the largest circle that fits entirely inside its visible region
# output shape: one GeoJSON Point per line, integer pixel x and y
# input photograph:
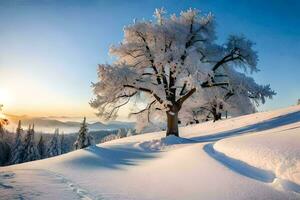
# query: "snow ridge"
{"type": "Point", "coordinates": [240, 166]}
{"type": "Point", "coordinates": [245, 169]}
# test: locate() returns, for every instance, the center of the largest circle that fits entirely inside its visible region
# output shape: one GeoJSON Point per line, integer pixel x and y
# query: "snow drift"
{"type": "Point", "coordinates": [250, 157]}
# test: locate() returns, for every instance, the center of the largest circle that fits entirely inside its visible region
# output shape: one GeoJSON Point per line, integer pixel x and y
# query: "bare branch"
{"type": "Point", "coordinates": [228, 58]}
{"type": "Point", "coordinates": [126, 95]}
{"type": "Point", "coordinates": [185, 97]}
{"type": "Point", "coordinates": [206, 84]}
{"type": "Point", "coordinates": [147, 74]}
{"type": "Point", "coordinates": [148, 107]}
{"type": "Point", "coordinates": [204, 108]}
{"type": "Point", "coordinates": [147, 91]}
{"type": "Point", "coordinates": [116, 108]}
{"type": "Point", "coordinates": [182, 92]}
{"type": "Point", "coordinates": [139, 34]}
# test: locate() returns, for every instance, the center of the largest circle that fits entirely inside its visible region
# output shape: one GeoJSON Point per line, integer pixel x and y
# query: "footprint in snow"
{"type": "Point", "coordinates": [7, 175]}
{"type": "Point", "coordinates": [83, 194]}
{"type": "Point", "coordinates": [4, 176]}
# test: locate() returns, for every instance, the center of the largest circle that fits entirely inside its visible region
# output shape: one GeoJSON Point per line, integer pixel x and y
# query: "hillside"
{"type": "Point", "coordinates": [254, 156]}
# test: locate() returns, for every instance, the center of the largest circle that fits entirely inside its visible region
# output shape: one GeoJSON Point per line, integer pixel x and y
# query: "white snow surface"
{"type": "Point", "coordinates": [280, 153]}
{"type": "Point", "coordinates": [254, 156]}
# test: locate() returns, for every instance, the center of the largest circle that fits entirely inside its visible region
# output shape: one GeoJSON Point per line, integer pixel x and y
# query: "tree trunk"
{"type": "Point", "coordinates": [172, 123]}
{"type": "Point", "coordinates": [217, 116]}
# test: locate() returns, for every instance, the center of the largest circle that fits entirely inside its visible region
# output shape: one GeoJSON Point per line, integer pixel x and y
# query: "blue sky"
{"type": "Point", "coordinates": [49, 50]}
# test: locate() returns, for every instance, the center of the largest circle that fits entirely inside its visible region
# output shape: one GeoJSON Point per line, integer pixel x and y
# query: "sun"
{"type": "Point", "coordinates": [2, 116]}
{"type": "Point", "coordinates": [5, 97]}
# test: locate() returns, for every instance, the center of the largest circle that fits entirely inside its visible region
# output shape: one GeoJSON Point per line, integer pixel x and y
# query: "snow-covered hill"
{"type": "Point", "coordinates": [250, 157]}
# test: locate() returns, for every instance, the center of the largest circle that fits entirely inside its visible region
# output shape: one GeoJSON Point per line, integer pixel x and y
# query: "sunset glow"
{"type": "Point", "coordinates": [149, 99]}
{"type": "Point", "coordinates": [2, 116]}
{"type": "Point", "coordinates": [47, 68]}
{"type": "Point", "coordinates": [5, 96]}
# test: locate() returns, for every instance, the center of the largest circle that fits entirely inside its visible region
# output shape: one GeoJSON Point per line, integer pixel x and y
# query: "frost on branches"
{"type": "Point", "coordinates": [173, 64]}
{"type": "Point", "coordinates": [84, 139]}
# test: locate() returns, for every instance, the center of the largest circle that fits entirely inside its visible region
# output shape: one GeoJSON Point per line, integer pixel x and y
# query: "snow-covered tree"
{"type": "Point", "coordinates": [17, 154]}
{"type": "Point", "coordinates": [42, 147]}
{"type": "Point", "coordinates": [129, 133]}
{"type": "Point", "coordinates": [211, 110]}
{"type": "Point", "coordinates": [110, 137]}
{"type": "Point", "coordinates": [54, 148]}
{"type": "Point", "coordinates": [84, 139]}
{"type": "Point", "coordinates": [5, 152]}
{"type": "Point", "coordinates": [172, 64]}
{"type": "Point", "coordinates": [63, 143]}
{"type": "Point", "coordinates": [19, 129]}
{"type": "Point", "coordinates": [2, 130]}
{"type": "Point", "coordinates": [30, 148]}
{"type": "Point", "coordinates": [3, 122]}
{"type": "Point", "coordinates": [5, 140]}
{"type": "Point", "coordinates": [122, 132]}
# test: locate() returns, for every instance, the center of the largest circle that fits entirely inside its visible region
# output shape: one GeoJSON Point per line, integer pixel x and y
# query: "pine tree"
{"type": "Point", "coordinates": [64, 144]}
{"type": "Point", "coordinates": [18, 148]}
{"type": "Point", "coordinates": [2, 131]}
{"type": "Point", "coordinates": [54, 148]}
{"type": "Point", "coordinates": [111, 137]}
{"type": "Point", "coordinates": [42, 147]}
{"type": "Point", "coordinates": [3, 122]}
{"type": "Point", "coordinates": [19, 129]}
{"type": "Point", "coordinates": [84, 139]}
{"type": "Point", "coordinates": [5, 140]}
{"type": "Point", "coordinates": [1, 125]}
{"type": "Point", "coordinates": [119, 133]}
{"type": "Point", "coordinates": [5, 152]}
{"type": "Point", "coordinates": [30, 149]}
{"type": "Point", "coordinates": [129, 133]}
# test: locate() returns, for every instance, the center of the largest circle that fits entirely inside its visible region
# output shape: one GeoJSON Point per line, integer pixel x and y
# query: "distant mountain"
{"type": "Point", "coordinates": [96, 126]}
{"type": "Point", "coordinates": [119, 124]}
{"type": "Point", "coordinates": [48, 125]}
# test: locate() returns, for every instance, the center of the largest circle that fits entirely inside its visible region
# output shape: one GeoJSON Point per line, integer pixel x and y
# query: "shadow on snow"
{"type": "Point", "coordinates": [261, 126]}
{"type": "Point", "coordinates": [249, 171]}
{"type": "Point", "coordinates": [113, 157]}
{"type": "Point", "coordinates": [240, 166]}
{"type": "Point", "coordinates": [116, 156]}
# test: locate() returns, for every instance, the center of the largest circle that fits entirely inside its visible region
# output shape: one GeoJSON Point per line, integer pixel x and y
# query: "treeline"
{"type": "Point", "coordinates": [27, 145]}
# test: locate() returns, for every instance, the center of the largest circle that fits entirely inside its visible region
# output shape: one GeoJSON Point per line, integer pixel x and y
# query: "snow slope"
{"type": "Point", "coordinates": [250, 157]}
{"type": "Point", "coordinates": [279, 154]}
